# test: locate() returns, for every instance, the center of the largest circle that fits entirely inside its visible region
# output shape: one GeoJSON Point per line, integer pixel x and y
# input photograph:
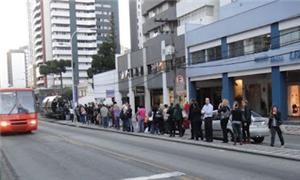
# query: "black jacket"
{"type": "Point", "coordinates": [237, 115]}
{"type": "Point", "coordinates": [277, 119]}
{"type": "Point", "coordinates": [195, 113]}
{"type": "Point", "coordinates": [247, 114]}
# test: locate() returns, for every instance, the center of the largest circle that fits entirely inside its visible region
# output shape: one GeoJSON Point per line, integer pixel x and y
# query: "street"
{"type": "Point", "coordinates": [62, 152]}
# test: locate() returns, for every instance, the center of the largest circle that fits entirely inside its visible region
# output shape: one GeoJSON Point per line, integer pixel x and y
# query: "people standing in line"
{"type": "Point", "coordinates": [160, 118]}
{"type": "Point", "coordinates": [141, 113]}
{"type": "Point", "coordinates": [77, 114]}
{"type": "Point", "coordinates": [104, 116]}
{"type": "Point", "coordinates": [129, 116]}
{"type": "Point", "coordinates": [166, 118]}
{"type": "Point", "coordinates": [196, 121]}
{"type": "Point", "coordinates": [224, 111]}
{"type": "Point", "coordinates": [171, 121]}
{"type": "Point", "coordinates": [83, 115]}
{"type": "Point", "coordinates": [274, 125]}
{"type": "Point", "coordinates": [178, 119]}
{"type": "Point", "coordinates": [246, 122]}
{"type": "Point", "coordinates": [154, 125]}
{"type": "Point", "coordinates": [116, 114]}
{"type": "Point", "coordinates": [124, 118]}
{"type": "Point", "coordinates": [236, 121]}
{"type": "Point", "coordinates": [207, 111]}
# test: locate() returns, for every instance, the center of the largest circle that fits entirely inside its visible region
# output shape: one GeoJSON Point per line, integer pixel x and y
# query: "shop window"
{"type": "Point", "coordinates": [238, 88]}
{"type": "Point", "coordinates": [294, 100]}
{"type": "Point", "coordinates": [236, 49]}
{"type": "Point", "coordinates": [214, 53]}
{"type": "Point", "coordinates": [198, 57]}
{"type": "Point", "coordinates": [289, 36]}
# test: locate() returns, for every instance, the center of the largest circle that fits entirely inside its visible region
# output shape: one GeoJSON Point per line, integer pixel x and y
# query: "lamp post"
{"type": "Point", "coordinates": [172, 33]}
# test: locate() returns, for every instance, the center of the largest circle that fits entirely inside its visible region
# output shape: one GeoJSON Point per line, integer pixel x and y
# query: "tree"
{"type": "Point", "coordinates": [104, 60]}
{"type": "Point", "coordinates": [55, 67]}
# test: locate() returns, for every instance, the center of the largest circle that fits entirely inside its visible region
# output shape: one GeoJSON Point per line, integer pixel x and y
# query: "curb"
{"type": "Point", "coordinates": [197, 143]}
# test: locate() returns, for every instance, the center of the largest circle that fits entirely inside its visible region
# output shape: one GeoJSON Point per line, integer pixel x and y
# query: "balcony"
{"type": "Point", "coordinates": [85, 15]}
{"type": "Point", "coordinates": [85, 7]}
{"type": "Point", "coordinates": [38, 55]}
{"type": "Point", "coordinates": [38, 48]}
{"type": "Point", "coordinates": [87, 45]}
{"type": "Point", "coordinates": [37, 28]}
{"type": "Point", "coordinates": [61, 44]}
{"type": "Point", "coordinates": [60, 29]}
{"type": "Point", "coordinates": [37, 20]}
{"type": "Point", "coordinates": [38, 40]}
{"type": "Point", "coordinates": [61, 52]}
{"type": "Point", "coordinates": [58, 13]}
{"type": "Point", "coordinates": [39, 61]}
{"type": "Point", "coordinates": [61, 36]}
{"type": "Point", "coordinates": [87, 52]}
{"type": "Point", "coordinates": [61, 5]}
{"type": "Point", "coordinates": [86, 22]}
{"type": "Point", "coordinates": [60, 21]}
{"type": "Point", "coordinates": [88, 38]}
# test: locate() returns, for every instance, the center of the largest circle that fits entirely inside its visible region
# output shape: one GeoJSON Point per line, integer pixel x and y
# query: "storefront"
{"type": "Point", "coordinates": [293, 94]}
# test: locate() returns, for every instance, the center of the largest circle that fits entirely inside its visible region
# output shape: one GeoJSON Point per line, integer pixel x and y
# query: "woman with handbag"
{"type": "Point", "coordinates": [224, 111]}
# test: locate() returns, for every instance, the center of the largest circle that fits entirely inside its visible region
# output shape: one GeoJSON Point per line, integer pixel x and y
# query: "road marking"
{"type": "Point", "coordinates": [158, 176]}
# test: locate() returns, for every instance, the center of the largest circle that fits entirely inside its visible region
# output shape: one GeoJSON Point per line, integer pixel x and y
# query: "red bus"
{"type": "Point", "coordinates": [17, 110]}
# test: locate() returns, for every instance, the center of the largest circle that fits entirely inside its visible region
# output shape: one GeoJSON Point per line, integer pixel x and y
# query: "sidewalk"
{"type": "Point", "coordinates": [276, 152]}
{"type": "Point", "coordinates": [291, 129]}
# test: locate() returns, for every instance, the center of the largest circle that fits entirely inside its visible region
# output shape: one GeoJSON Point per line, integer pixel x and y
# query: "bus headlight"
{"type": "Point", "coordinates": [4, 124]}
{"type": "Point", "coordinates": [32, 122]}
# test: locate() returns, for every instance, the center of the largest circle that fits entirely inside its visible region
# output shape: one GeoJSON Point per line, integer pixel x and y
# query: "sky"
{"type": "Point", "coordinates": [14, 29]}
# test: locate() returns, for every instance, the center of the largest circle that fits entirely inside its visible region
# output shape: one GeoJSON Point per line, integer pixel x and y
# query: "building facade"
{"type": "Point", "coordinates": [147, 76]}
{"type": "Point", "coordinates": [50, 31]}
{"type": "Point", "coordinates": [256, 58]}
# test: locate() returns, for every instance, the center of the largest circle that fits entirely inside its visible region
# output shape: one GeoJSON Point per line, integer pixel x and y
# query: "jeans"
{"type": "Point", "coordinates": [130, 124]}
{"type": "Point", "coordinates": [154, 128]}
{"type": "Point", "coordinates": [141, 125]}
{"type": "Point", "coordinates": [117, 123]}
{"type": "Point", "coordinates": [237, 132]}
{"type": "Point", "coordinates": [105, 122]}
{"type": "Point", "coordinates": [83, 119]}
{"type": "Point", "coordinates": [246, 131]}
{"type": "Point", "coordinates": [224, 123]}
{"type": "Point", "coordinates": [125, 125]}
{"type": "Point", "coordinates": [273, 134]}
{"type": "Point", "coordinates": [208, 129]}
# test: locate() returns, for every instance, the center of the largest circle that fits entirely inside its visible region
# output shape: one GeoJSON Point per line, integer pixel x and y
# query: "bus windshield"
{"type": "Point", "coordinates": [17, 102]}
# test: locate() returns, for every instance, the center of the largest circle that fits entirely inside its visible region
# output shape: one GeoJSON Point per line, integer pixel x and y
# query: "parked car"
{"type": "Point", "coordinates": [258, 128]}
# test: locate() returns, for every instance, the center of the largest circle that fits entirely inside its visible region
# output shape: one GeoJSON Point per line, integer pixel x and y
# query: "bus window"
{"type": "Point", "coordinates": [7, 102]}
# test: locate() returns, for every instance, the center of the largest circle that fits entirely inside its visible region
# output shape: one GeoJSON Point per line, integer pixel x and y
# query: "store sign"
{"type": "Point", "coordinates": [294, 55]}
{"type": "Point", "coordinates": [180, 85]}
{"type": "Point", "coordinates": [139, 90]}
{"type": "Point", "coordinates": [110, 93]}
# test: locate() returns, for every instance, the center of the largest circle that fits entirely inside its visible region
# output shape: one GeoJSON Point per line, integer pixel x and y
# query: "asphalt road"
{"type": "Point", "coordinates": [58, 152]}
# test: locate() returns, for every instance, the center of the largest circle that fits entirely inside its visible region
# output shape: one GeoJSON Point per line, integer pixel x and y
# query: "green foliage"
{"type": "Point", "coordinates": [55, 67]}
{"type": "Point", "coordinates": [67, 92]}
{"type": "Point", "coordinates": [104, 60]}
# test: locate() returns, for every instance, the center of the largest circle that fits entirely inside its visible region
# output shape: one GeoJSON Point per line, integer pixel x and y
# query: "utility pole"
{"type": "Point", "coordinates": [172, 23]}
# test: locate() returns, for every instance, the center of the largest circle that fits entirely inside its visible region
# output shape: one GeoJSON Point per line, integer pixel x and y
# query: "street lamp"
{"type": "Point", "coordinates": [75, 74]}
{"type": "Point", "coordinates": [172, 33]}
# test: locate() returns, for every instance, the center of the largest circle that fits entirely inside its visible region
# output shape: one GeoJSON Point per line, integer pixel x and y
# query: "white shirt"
{"type": "Point", "coordinates": [207, 110]}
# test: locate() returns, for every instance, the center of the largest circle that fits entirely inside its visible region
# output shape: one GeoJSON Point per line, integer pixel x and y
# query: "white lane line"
{"type": "Point", "coordinates": [158, 176]}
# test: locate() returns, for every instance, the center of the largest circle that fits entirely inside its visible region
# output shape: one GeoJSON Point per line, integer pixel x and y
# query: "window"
{"type": "Point", "coordinates": [289, 36]}
{"type": "Point", "coordinates": [214, 53]}
{"type": "Point", "coordinates": [262, 43]}
{"type": "Point", "coordinates": [236, 49]}
{"type": "Point", "coordinates": [198, 57]}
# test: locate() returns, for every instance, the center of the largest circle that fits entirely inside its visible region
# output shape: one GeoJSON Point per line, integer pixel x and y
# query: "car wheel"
{"type": "Point", "coordinates": [258, 140]}
{"type": "Point", "coordinates": [230, 135]}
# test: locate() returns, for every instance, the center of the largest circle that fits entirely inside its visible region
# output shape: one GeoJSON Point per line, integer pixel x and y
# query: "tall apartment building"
{"type": "Point", "coordinates": [50, 29]}
{"type": "Point", "coordinates": [16, 68]}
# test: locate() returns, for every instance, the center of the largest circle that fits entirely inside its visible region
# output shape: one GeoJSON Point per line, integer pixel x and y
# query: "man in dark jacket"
{"type": "Point", "coordinates": [274, 125]}
{"type": "Point", "coordinates": [196, 121]}
{"type": "Point", "coordinates": [247, 122]}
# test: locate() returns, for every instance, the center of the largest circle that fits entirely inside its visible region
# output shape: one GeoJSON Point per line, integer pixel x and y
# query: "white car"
{"type": "Point", "coordinates": [258, 128]}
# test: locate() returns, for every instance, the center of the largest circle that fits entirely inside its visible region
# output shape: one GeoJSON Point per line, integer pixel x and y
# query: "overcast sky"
{"type": "Point", "coordinates": [14, 29]}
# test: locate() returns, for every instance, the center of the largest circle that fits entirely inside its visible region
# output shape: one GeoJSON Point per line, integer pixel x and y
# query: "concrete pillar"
{"type": "Point", "coordinates": [166, 96]}
{"type": "Point", "coordinates": [224, 48]}
{"type": "Point", "coordinates": [191, 90]}
{"type": "Point", "coordinates": [279, 91]}
{"type": "Point", "coordinates": [275, 36]}
{"type": "Point", "coordinates": [227, 88]}
{"type": "Point", "coordinates": [131, 90]}
{"type": "Point", "coordinates": [147, 92]}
